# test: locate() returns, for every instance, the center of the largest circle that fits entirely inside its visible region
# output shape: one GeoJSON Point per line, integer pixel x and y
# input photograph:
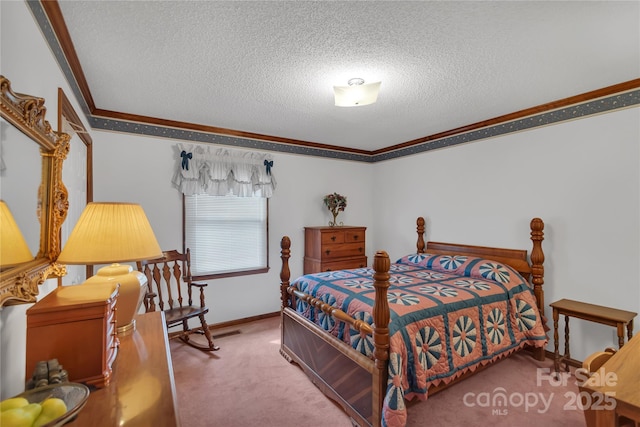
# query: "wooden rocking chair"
{"type": "Point", "coordinates": [168, 280]}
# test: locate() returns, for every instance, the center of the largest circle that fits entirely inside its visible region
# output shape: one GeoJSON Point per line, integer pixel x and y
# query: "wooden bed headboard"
{"type": "Point", "coordinates": [531, 268]}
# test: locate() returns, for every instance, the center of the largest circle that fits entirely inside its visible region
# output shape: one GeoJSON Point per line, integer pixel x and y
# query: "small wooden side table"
{"type": "Point", "coordinates": [593, 313]}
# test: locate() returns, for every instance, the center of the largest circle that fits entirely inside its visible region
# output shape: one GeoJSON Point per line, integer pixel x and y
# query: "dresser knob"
{"type": "Point", "coordinates": [327, 252]}
{"type": "Point", "coordinates": [355, 237]}
{"type": "Point", "coordinates": [333, 238]}
{"type": "Point", "coordinates": [360, 249]}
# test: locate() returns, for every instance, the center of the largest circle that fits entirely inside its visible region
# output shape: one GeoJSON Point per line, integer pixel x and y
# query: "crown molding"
{"type": "Point", "coordinates": [49, 17]}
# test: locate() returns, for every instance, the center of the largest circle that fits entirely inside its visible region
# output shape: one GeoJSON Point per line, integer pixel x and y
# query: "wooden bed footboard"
{"type": "Point", "coordinates": [353, 380]}
{"type": "Point", "coordinates": [345, 378]}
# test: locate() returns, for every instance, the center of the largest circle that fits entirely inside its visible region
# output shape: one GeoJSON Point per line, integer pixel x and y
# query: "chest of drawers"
{"type": "Point", "coordinates": [334, 248]}
{"type": "Point", "coordinates": [77, 326]}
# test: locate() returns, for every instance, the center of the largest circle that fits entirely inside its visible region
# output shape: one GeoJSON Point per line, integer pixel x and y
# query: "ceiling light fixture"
{"type": "Point", "coordinates": [357, 93]}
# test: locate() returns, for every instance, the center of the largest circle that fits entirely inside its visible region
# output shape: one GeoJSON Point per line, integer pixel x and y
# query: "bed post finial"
{"type": "Point", "coordinates": [420, 230]}
{"type": "Point", "coordinates": [537, 268]}
{"type": "Point", "coordinates": [285, 273]}
{"type": "Point", "coordinates": [537, 258]}
{"type": "Point", "coordinates": [381, 317]}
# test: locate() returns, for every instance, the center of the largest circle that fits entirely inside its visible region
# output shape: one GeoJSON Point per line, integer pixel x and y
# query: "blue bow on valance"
{"type": "Point", "coordinates": [185, 159]}
{"type": "Point", "coordinates": [268, 165]}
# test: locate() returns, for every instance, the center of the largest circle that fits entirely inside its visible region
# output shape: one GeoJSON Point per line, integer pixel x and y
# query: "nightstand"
{"type": "Point", "coordinates": [334, 248]}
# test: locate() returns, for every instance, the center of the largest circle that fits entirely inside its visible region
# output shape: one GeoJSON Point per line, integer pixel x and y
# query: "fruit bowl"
{"type": "Point", "coordinates": [74, 395]}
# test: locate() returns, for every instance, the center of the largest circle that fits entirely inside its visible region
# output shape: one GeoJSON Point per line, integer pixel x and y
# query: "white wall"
{"type": "Point", "coordinates": [581, 177]}
{"type": "Point", "coordinates": [139, 169]}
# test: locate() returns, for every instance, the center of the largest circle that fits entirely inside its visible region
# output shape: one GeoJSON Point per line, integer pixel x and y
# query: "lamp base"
{"type": "Point", "coordinates": [131, 293]}
{"type": "Point", "coordinates": [126, 329]}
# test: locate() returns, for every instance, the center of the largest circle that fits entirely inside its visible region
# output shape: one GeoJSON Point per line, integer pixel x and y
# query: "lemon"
{"type": "Point", "coordinates": [52, 408]}
{"type": "Point", "coordinates": [14, 402]}
{"type": "Point", "coordinates": [23, 416]}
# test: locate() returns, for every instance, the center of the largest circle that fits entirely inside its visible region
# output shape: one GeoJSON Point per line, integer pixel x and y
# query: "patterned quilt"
{"type": "Point", "coordinates": [449, 315]}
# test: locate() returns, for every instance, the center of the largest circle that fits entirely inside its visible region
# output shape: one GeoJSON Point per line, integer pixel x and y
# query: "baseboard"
{"type": "Point", "coordinates": [228, 324]}
{"type": "Point", "coordinates": [571, 362]}
{"type": "Point", "coordinates": [242, 321]}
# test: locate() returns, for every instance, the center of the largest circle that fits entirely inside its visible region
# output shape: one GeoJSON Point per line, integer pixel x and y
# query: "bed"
{"type": "Point", "coordinates": [373, 339]}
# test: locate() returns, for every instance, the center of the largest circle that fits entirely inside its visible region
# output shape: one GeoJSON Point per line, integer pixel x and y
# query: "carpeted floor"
{"type": "Point", "coordinates": [248, 383]}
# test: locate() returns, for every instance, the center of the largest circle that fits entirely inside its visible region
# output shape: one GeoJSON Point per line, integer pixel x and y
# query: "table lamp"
{"type": "Point", "coordinates": [113, 233]}
{"type": "Point", "coordinates": [13, 248]}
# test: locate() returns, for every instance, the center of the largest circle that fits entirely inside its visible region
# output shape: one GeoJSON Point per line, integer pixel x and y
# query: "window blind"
{"type": "Point", "coordinates": [226, 233]}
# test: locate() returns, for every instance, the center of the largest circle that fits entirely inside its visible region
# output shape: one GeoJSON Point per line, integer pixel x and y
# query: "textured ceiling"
{"type": "Point", "coordinates": [269, 67]}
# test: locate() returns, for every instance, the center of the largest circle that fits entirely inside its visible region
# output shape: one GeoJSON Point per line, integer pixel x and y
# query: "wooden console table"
{"type": "Point", "coordinates": [142, 389]}
{"type": "Point", "coordinates": [590, 312]}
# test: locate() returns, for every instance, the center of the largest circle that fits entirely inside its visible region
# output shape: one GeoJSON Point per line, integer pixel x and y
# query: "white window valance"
{"type": "Point", "coordinates": [214, 171]}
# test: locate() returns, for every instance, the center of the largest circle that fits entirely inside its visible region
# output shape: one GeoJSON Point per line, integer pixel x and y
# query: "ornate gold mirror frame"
{"type": "Point", "coordinates": [19, 284]}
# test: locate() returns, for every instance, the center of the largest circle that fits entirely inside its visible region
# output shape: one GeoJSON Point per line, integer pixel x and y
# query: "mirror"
{"type": "Point", "coordinates": [18, 161]}
{"type": "Point", "coordinates": [46, 198]}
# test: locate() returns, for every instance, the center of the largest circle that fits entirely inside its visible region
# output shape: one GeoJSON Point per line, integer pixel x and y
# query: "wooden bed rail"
{"type": "Point", "coordinates": [358, 325]}
{"type": "Point", "coordinates": [381, 316]}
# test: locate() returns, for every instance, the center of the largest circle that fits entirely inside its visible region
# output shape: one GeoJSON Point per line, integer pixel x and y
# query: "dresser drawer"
{"type": "Point", "coordinates": [316, 266]}
{"type": "Point", "coordinates": [342, 250]}
{"type": "Point", "coordinates": [110, 332]}
{"type": "Point", "coordinates": [344, 265]}
{"type": "Point", "coordinates": [354, 236]}
{"type": "Point", "coordinates": [331, 237]}
{"type": "Point", "coordinates": [342, 236]}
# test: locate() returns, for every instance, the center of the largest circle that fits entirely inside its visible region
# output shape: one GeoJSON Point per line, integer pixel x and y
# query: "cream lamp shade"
{"type": "Point", "coordinates": [113, 233]}
{"type": "Point", "coordinates": [357, 93]}
{"type": "Point", "coordinates": [13, 248]}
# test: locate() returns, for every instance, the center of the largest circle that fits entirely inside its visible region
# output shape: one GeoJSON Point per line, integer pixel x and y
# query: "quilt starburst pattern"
{"type": "Point", "coordinates": [449, 314]}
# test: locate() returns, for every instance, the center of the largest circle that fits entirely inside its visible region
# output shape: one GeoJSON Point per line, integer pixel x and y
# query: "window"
{"type": "Point", "coordinates": [226, 235]}
{"type": "Point", "coordinates": [225, 201]}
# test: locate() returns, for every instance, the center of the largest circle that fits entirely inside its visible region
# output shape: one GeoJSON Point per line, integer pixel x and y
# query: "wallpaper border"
{"type": "Point", "coordinates": [603, 105]}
